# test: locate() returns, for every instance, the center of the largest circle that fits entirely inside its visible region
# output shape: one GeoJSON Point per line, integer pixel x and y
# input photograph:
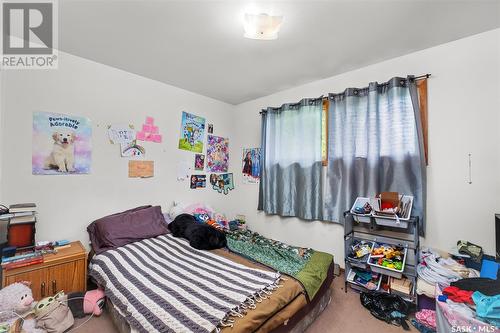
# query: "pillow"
{"type": "Point", "coordinates": [126, 227]}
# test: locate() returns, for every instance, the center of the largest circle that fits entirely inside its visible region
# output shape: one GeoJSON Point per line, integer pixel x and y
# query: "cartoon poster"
{"type": "Point", "coordinates": [192, 132]}
{"type": "Point", "coordinates": [222, 183]}
{"type": "Point", "coordinates": [198, 181]}
{"type": "Point", "coordinates": [217, 154]}
{"type": "Point", "coordinates": [251, 165]}
{"type": "Point", "coordinates": [62, 144]}
{"type": "Point", "coordinates": [199, 162]}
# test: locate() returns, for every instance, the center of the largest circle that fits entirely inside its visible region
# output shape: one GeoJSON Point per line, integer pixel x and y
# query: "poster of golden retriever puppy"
{"type": "Point", "coordinates": [61, 144]}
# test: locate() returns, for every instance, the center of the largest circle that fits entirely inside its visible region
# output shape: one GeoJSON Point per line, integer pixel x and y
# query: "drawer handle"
{"type": "Point", "coordinates": [54, 287]}
{"type": "Point", "coordinates": [42, 289]}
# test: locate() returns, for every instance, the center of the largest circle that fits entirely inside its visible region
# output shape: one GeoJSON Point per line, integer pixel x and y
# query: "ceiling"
{"type": "Point", "coordinates": [199, 45]}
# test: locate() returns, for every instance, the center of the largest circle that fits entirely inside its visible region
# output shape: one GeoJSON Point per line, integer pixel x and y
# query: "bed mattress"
{"type": "Point", "coordinates": [287, 309]}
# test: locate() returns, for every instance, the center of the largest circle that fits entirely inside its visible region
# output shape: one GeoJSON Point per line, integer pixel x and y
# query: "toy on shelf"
{"type": "Point", "coordinates": [388, 257]}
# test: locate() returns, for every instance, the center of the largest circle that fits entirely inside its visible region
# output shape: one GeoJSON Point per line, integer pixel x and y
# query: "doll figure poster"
{"type": "Point", "coordinates": [62, 144]}
{"type": "Point", "coordinates": [198, 181]}
{"type": "Point", "coordinates": [199, 162]}
{"type": "Point", "coordinates": [217, 154]}
{"type": "Point", "coordinates": [192, 132]}
{"type": "Point", "coordinates": [222, 183]}
{"type": "Point", "coordinates": [251, 165]}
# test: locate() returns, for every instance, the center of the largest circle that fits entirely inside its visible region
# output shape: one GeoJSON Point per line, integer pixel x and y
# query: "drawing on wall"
{"type": "Point", "coordinates": [199, 162]}
{"type": "Point", "coordinates": [132, 149]}
{"type": "Point", "coordinates": [222, 183]}
{"type": "Point", "coordinates": [141, 169]}
{"type": "Point", "coordinates": [122, 134]}
{"type": "Point", "coordinates": [251, 165]}
{"type": "Point", "coordinates": [192, 132]}
{"type": "Point", "coordinates": [210, 128]}
{"type": "Point", "coordinates": [149, 131]}
{"type": "Point", "coordinates": [217, 153]}
{"type": "Point", "coordinates": [62, 144]}
{"type": "Point", "coordinates": [198, 181]}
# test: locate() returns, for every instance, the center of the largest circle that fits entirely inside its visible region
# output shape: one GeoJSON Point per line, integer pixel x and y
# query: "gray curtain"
{"type": "Point", "coordinates": [291, 168]}
{"type": "Point", "coordinates": [375, 144]}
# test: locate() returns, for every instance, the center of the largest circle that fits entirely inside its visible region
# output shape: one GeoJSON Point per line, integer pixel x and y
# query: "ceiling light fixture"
{"type": "Point", "coordinates": [262, 26]}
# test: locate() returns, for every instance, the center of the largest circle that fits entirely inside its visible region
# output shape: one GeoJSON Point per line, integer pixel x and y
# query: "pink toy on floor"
{"type": "Point", "coordinates": [93, 302]}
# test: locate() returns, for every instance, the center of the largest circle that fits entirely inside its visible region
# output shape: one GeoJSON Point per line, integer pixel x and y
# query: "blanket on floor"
{"type": "Point", "coordinates": [164, 285]}
{"type": "Point", "coordinates": [308, 266]}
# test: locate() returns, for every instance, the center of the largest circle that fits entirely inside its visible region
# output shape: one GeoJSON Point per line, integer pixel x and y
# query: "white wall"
{"type": "Point", "coordinates": [464, 104]}
{"type": "Point", "coordinates": [67, 204]}
{"type": "Point", "coordinates": [464, 117]}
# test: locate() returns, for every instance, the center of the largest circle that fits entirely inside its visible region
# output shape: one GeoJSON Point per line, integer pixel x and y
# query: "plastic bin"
{"type": "Point", "coordinates": [359, 262]}
{"type": "Point", "coordinates": [350, 279]}
{"type": "Point", "coordinates": [392, 221]}
{"type": "Point", "coordinates": [385, 270]}
{"type": "Point", "coordinates": [360, 202]}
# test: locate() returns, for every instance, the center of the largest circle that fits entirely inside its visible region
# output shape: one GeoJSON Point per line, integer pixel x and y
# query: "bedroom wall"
{"type": "Point", "coordinates": [67, 204]}
{"type": "Point", "coordinates": [464, 104]}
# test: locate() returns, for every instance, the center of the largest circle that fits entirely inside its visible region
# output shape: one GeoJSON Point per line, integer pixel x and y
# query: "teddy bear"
{"type": "Point", "coordinates": [16, 301]}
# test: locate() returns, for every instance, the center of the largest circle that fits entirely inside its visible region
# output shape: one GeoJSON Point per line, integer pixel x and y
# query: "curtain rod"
{"type": "Point", "coordinates": [416, 78]}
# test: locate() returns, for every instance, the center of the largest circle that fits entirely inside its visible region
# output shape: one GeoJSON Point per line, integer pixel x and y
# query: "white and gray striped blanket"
{"type": "Point", "coordinates": [164, 285]}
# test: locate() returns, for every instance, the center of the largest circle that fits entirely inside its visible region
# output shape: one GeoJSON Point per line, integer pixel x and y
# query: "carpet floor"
{"type": "Point", "coordinates": [344, 314]}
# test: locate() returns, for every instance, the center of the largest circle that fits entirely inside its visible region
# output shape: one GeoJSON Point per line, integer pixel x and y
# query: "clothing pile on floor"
{"type": "Point", "coordinates": [469, 295]}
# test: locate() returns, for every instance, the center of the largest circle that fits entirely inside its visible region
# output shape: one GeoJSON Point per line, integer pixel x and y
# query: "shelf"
{"type": "Point", "coordinates": [408, 237]}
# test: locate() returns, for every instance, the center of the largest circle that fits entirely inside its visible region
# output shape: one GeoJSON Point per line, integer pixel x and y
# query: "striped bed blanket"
{"type": "Point", "coordinates": [164, 285]}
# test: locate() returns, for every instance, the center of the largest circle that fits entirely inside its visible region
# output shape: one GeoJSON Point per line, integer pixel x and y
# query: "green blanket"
{"type": "Point", "coordinates": [308, 266]}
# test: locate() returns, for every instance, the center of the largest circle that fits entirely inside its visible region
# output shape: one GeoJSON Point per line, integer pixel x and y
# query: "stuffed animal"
{"type": "Point", "coordinates": [200, 236]}
{"type": "Point", "coordinates": [93, 302]}
{"type": "Point", "coordinates": [16, 301]}
{"type": "Point", "coordinates": [53, 314]}
{"type": "Point", "coordinates": [179, 208]}
{"type": "Point", "coordinates": [82, 304]}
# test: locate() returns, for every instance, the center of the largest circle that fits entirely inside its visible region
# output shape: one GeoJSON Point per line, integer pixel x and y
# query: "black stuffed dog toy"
{"type": "Point", "coordinates": [200, 236]}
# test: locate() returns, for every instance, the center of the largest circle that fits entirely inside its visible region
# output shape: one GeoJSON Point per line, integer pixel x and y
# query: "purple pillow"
{"type": "Point", "coordinates": [126, 227]}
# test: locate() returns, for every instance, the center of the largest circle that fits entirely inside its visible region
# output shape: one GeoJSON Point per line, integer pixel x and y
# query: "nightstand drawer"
{"type": "Point", "coordinates": [69, 277]}
{"type": "Point", "coordinates": [65, 270]}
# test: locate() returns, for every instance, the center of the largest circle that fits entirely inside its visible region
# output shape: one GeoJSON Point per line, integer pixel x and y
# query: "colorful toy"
{"type": "Point", "coordinates": [388, 256]}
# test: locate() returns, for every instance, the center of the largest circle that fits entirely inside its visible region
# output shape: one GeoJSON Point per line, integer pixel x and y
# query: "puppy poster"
{"type": "Point", "coordinates": [61, 144]}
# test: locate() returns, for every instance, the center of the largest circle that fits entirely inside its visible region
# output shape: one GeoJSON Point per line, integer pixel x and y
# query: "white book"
{"type": "Point", "coordinates": [22, 219]}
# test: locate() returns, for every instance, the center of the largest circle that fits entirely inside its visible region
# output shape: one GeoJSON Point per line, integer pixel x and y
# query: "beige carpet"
{"type": "Point", "coordinates": [344, 314]}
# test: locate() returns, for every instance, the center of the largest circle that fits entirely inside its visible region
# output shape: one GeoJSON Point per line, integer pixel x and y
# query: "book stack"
{"type": "Point", "coordinates": [20, 213]}
{"type": "Point", "coordinates": [20, 221]}
{"type": "Point", "coordinates": [21, 260]}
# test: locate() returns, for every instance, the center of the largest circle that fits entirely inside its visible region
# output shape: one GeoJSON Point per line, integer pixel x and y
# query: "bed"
{"type": "Point", "coordinates": [161, 279]}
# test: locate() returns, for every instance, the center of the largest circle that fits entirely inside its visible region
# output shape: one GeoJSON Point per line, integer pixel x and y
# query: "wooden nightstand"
{"type": "Point", "coordinates": [66, 270]}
